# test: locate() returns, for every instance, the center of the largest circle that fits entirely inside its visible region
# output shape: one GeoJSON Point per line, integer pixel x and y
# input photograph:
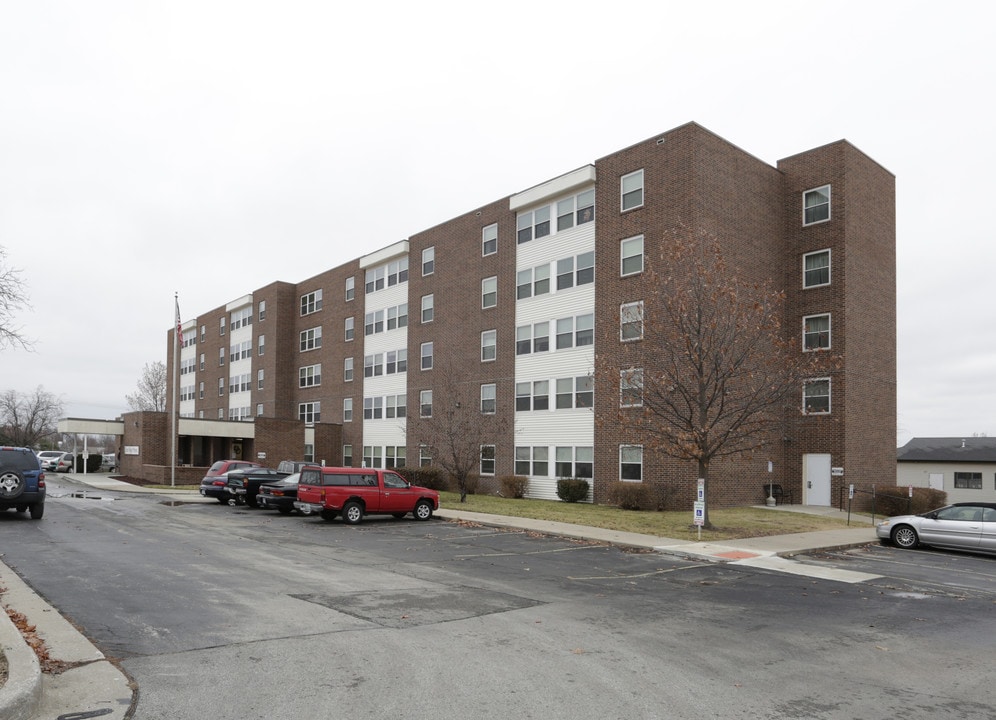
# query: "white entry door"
{"type": "Point", "coordinates": [816, 479]}
{"type": "Point", "coordinates": [935, 481]}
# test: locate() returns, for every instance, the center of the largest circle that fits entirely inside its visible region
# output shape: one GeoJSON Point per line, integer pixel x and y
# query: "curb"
{"type": "Point", "coordinates": [20, 695]}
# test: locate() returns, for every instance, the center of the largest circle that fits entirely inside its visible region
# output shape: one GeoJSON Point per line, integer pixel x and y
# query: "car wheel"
{"type": "Point", "coordinates": [399, 515]}
{"type": "Point", "coordinates": [11, 484]}
{"type": "Point", "coordinates": [37, 510]}
{"type": "Point", "coordinates": [352, 512]}
{"type": "Point", "coordinates": [22, 508]}
{"type": "Point", "coordinates": [423, 510]}
{"type": "Point", "coordinates": [251, 502]}
{"type": "Point", "coordinates": [329, 515]}
{"type": "Point", "coordinates": [284, 510]}
{"type": "Point", "coordinates": [905, 537]}
{"type": "Point", "coordinates": [223, 501]}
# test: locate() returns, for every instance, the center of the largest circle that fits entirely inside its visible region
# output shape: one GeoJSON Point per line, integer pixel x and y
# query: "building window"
{"type": "Point", "coordinates": [631, 387]}
{"type": "Point", "coordinates": [221, 386]}
{"type": "Point", "coordinates": [816, 397]}
{"type": "Point", "coordinates": [586, 268]}
{"type": "Point", "coordinates": [565, 273]}
{"type": "Point", "coordinates": [261, 344]}
{"type": "Point", "coordinates": [241, 317]}
{"type": "Point", "coordinates": [489, 398]}
{"type": "Point", "coordinates": [968, 480]}
{"type": "Point", "coordinates": [816, 269]}
{"type": "Point", "coordinates": [428, 308]}
{"type": "Point", "coordinates": [489, 292]}
{"type": "Point", "coordinates": [347, 410]}
{"type": "Point", "coordinates": [259, 409]}
{"type": "Point", "coordinates": [489, 240]}
{"type": "Point", "coordinates": [427, 356]}
{"type": "Point", "coordinates": [579, 209]}
{"type": "Point", "coordinates": [532, 461]}
{"type": "Point", "coordinates": [533, 225]}
{"type": "Point", "coordinates": [311, 339]}
{"type": "Point", "coordinates": [347, 456]}
{"type": "Point", "coordinates": [350, 288]}
{"type": "Point", "coordinates": [397, 361]}
{"type": "Point", "coordinates": [487, 459]}
{"type": "Point", "coordinates": [584, 462]}
{"type": "Point", "coordinates": [373, 322]}
{"type": "Point", "coordinates": [577, 392]}
{"type": "Point", "coordinates": [310, 376]}
{"type": "Point", "coordinates": [632, 256]}
{"type": "Point", "coordinates": [221, 356]}
{"type": "Point", "coordinates": [372, 456]}
{"type": "Point", "coordinates": [428, 261]}
{"type": "Point", "coordinates": [585, 330]}
{"type": "Point", "coordinates": [631, 187]}
{"type": "Point", "coordinates": [631, 321]}
{"type": "Point", "coordinates": [816, 205]}
{"type": "Point", "coordinates": [259, 379]}
{"type": "Point", "coordinates": [425, 404]}
{"type": "Point", "coordinates": [347, 370]}
{"type": "Point", "coordinates": [394, 456]}
{"type": "Point", "coordinates": [574, 462]}
{"type": "Point", "coordinates": [221, 326]}
{"type": "Point", "coordinates": [397, 317]}
{"type": "Point", "coordinates": [203, 333]}
{"type": "Point", "coordinates": [532, 338]}
{"type": "Point", "coordinates": [312, 302]}
{"type": "Point", "coordinates": [816, 332]}
{"type": "Point", "coordinates": [375, 279]}
{"type": "Point", "coordinates": [350, 328]}
{"type": "Point", "coordinates": [397, 272]}
{"type": "Point", "coordinates": [262, 309]}
{"type": "Point", "coordinates": [200, 390]}
{"type": "Point", "coordinates": [489, 345]}
{"type": "Point", "coordinates": [424, 456]}
{"type": "Point", "coordinates": [373, 408]}
{"type": "Point", "coordinates": [202, 361]}
{"type": "Point", "coordinates": [395, 406]}
{"type": "Point", "coordinates": [631, 463]}
{"type": "Point", "coordinates": [373, 365]}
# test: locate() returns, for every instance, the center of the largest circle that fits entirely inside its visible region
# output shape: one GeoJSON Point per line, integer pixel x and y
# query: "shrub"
{"type": "Point", "coordinates": [630, 496]}
{"type": "Point", "coordinates": [896, 501]}
{"type": "Point", "coordinates": [428, 477]}
{"type": "Point", "coordinates": [514, 486]}
{"type": "Point", "coordinates": [572, 490]}
{"type": "Point", "coordinates": [473, 480]}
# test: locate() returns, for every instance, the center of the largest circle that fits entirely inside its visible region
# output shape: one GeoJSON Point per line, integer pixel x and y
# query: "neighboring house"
{"type": "Point", "coordinates": [964, 468]}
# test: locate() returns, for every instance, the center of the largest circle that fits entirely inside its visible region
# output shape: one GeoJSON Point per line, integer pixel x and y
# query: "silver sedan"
{"type": "Point", "coordinates": [963, 526]}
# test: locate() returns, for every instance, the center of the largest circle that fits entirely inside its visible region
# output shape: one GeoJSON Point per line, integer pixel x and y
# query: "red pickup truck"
{"type": "Point", "coordinates": [355, 492]}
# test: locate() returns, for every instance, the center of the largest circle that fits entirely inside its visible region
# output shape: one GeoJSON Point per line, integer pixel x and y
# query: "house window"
{"type": "Point", "coordinates": [585, 330]}
{"type": "Point", "coordinates": [489, 292]}
{"type": "Point", "coordinates": [425, 404]}
{"type": "Point", "coordinates": [816, 397]}
{"type": "Point", "coordinates": [816, 205]}
{"type": "Point", "coordinates": [350, 288]}
{"type": "Point", "coordinates": [489, 345]}
{"type": "Point", "coordinates": [524, 284]}
{"type": "Point", "coordinates": [532, 461]}
{"type": "Point", "coordinates": [816, 269]}
{"type": "Point", "coordinates": [347, 370]}
{"type": "Point", "coordinates": [221, 326]}
{"type": "Point", "coordinates": [221, 356]}
{"type": "Point", "coordinates": [533, 225]}
{"type": "Point", "coordinates": [373, 322]}
{"type": "Point", "coordinates": [375, 279]}
{"type": "Point", "coordinates": [200, 390]}
{"type": "Point", "coordinates": [578, 210]}
{"type": "Point", "coordinates": [968, 480]}
{"type": "Point", "coordinates": [202, 358]}
{"type": "Point", "coordinates": [259, 409]}
{"type": "Point", "coordinates": [373, 408]}
{"type": "Point", "coordinates": [489, 240]}
{"type": "Point", "coordinates": [350, 329]}
{"type": "Point", "coordinates": [489, 398]}
{"type": "Point", "coordinates": [397, 316]}
{"type": "Point", "coordinates": [574, 462]}
{"type": "Point", "coordinates": [395, 406]}
{"type": "Point", "coordinates": [259, 379]}
{"type": "Point", "coordinates": [631, 387]}
{"type": "Point", "coordinates": [312, 302]}
{"type": "Point", "coordinates": [427, 356]}
{"type": "Point", "coordinates": [487, 459]}
{"type": "Point", "coordinates": [632, 256]}
{"type": "Point", "coordinates": [261, 344]}
{"type": "Point", "coordinates": [428, 261]}
{"type": "Point", "coordinates": [631, 463]}
{"type": "Point", "coordinates": [347, 456]}
{"type": "Point", "coordinates": [310, 412]}
{"type": "Point", "coordinates": [816, 332]}
{"type": "Point", "coordinates": [262, 309]}
{"type": "Point", "coordinates": [631, 188]}
{"type": "Point", "coordinates": [397, 361]}
{"type": "Point", "coordinates": [309, 376]}
{"type": "Point", "coordinates": [586, 268]}
{"type": "Point", "coordinates": [347, 410]}
{"type": "Point", "coordinates": [311, 339]}
{"type": "Point", "coordinates": [428, 308]}
{"type": "Point", "coordinates": [631, 321]}
{"type": "Point", "coordinates": [373, 365]}
{"type": "Point", "coordinates": [397, 272]}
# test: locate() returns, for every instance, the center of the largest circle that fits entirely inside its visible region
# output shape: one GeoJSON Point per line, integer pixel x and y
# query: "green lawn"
{"type": "Point", "coordinates": [728, 523]}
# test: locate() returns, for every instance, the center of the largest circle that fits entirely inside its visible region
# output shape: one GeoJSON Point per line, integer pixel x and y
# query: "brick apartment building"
{"type": "Point", "coordinates": [506, 307]}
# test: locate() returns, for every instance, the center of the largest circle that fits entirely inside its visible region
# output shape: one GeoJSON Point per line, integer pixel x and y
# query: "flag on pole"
{"type": "Point", "coordinates": [179, 330]}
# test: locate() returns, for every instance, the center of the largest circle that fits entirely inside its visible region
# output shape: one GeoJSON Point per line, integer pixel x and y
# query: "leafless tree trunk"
{"type": "Point", "coordinates": [151, 393]}
{"type": "Point", "coordinates": [27, 419]}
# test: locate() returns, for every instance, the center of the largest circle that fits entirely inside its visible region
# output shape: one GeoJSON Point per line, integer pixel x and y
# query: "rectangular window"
{"type": "Point", "coordinates": [541, 337]}
{"type": "Point", "coordinates": [522, 464]}
{"type": "Point", "coordinates": [259, 409]}
{"type": "Point", "coordinates": [487, 459]}
{"type": "Point", "coordinates": [816, 332]}
{"type": "Point", "coordinates": [203, 333]}
{"type": "Point", "coordinates": [347, 410]}
{"type": "Point", "coordinates": [524, 284]}
{"type": "Point", "coordinates": [489, 240]}
{"type": "Point", "coordinates": [262, 309]}
{"type": "Point", "coordinates": [221, 356]}
{"type": "Point", "coordinates": [261, 344]}
{"type": "Point", "coordinates": [312, 302]}
{"type": "Point", "coordinates": [373, 408]}
{"type": "Point", "coordinates": [350, 288]}
{"type": "Point", "coordinates": [428, 261]}
{"type": "Point", "coordinates": [347, 456]}
{"type": "Point", "coordinates": [816, 269]}
{"type": "Point", "coordinates": [395, 406]}
{"type": "Point", "coordinates": [631, 321]}
{"type": "Point", "coordinates": [565, 333]}
{"type": "Point", "coordinates": [565, 273]}
{"type": "Point", "coordinates": [350, 328]}
{"type": "Point", "coordinates": [565, 393]}
{"type": "Point", "coordinates": [631, 387]}
{"type": "Point", "coordinates": [311, 339]}
{"type": "Point", "coordinates": [347, 370]}
{"type": "Point", "coordinates": [397, 361]}
{"type": "Point", "coordinates": [373, 322]}
{"type": "Point", "coordinates": [816, 205]}
{"type": "Point", "coordinates": [541, 395]}
{"type": "Point", "coordinates": [310, 412]}
{"type": "Point", "coordinates": [310, 376]}
{"type": "Point", "coordinates": [397, 272]}
{"type": "Point", "coordinates": [259, 379]}
{"type": "Point", "coordinates": [816, 397]}
{"type": "Point", "coordinates": [489, 345]}
{"type": "Point", "coordinates": [372, 456]}
{"type": "Point", "coordinates": [584, 462]}
{"type": "Point", "coordinates": [541, 461]}
{"type": "Point", "coordinates": [631, 256]}
{"type": "Point", "coordinates": [584, 395]}
{"type": "Point", "coordinates": [631, 463]}
{"type": "Point", "coordinates": [489, 292]}
{"type": "Point", "coordinates": [221, 326]}
{"type": "Point", "coordinates": [631, 188]}
{"type": "Point", "coordinates": [565, 214]}
{"type": "Point", "coordinates": [541, 280]}
{"type": "Point", "coordinates": [586, 268]}
{"type": "Point", "coordinates": [523, 397]}
{"type": "Point", "coordinates": [221, 386]}
{"type": "Point", "coordinates": [202, 354]}
{"type": "Point", "coordinates": [425, 404]}
{"type": "Point", "coordinates": [563, 466]}
{"type": "Point", "coordinates": [200, 389]}
{"type": "Point", "coordinates": [373, 365]}
{"type": "Point", "coordinates": [427, 356]}
{"type": "Point", "coordinates": [584, 330]}
{"type": "Point", "coordinates": [428, 308]}
{"type": "Point", "coordinates": [241, 318]}
{"type": "Point", "coordinates": [523, 340]}
{"type": "Point", "coordinates": [375, 279]}
{"type": "Point", "coordinates": [968, 480]}
{"type": "Point", "coordinates": [586, 207]}
{"type": "Point", "coordinates": [489, 398]}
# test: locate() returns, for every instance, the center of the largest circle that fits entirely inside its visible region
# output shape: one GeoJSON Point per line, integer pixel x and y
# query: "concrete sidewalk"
{"type": "Point", "coordinates": [93, 684]}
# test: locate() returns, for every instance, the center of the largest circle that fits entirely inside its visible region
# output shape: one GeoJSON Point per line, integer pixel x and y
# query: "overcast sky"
{"type": "Point", "coordinates": [209, 148]}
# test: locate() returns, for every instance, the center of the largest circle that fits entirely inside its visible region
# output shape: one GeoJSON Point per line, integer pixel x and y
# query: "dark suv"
{"type": "Point", "coordinates": [22, 482]}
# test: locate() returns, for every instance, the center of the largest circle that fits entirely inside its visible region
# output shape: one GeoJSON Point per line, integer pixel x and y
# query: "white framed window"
{"type": "Point", "coordinates": [532, 396]}
{"type": "Point", "coordinates": [631, 463]}
{"type": "Point", "coordinates": [428, 261]}
{"type": "Point", "coordinates": [259, 379]}
{"type": "Point", "coordinates": [394, 457]}
{"type": "Point", "coordinates": [221, 325]}
{"type": "Point", "coordinates": [397, 317]}
{"type": "Point", "coordinates": [575, 392]}
{"type": "Point", "coordinates": [259, 409]}
{"type": "Point", "coordinates": [349, 328]}
{"type": "Point", "coordinates": [375, 278]}
{"type": "Point", "coordinates": [424, 456]}
{"type": "Point", "coordinates": [428, 308]}
{"type": "Point", "coordinates": [221, 356]}
{"type": "Point", "coordinates": [426, 355]}
{"type": "Point", "coordinates": [347, 410]}
{"type": "Point", "coordinates": [631, 256]}
{"type": "Point", "coordinates": [576, 210]}
{"type": "Point", "coordinates": [487, 459]}
{"type": "Point", "coordinates": [631, 321]}
{"type": "Point", "coordinates": [372, 456]}
{"type": "Point", "coordinates": [241, 317]}
{"type": "Point", "coordinates": [261, 344]}
{"type": "Point", "coordinates": [532, 225]}
{"type": "Point", "coordinates": [397, 272]}
{"type": "Point", "coordinates": [373, 322]}
{"type": "Point", "coordinates": [631, 387]}
{"type": "Point", "coordinates": [574, 462]}
{"type": "Point", "coordinates": [816, 332]}
{"type": "Point", "coordinates": [347, 370]}
{"type": "Point", "coordinates": [311, 339]}
{"type": "Point", "coordinates": [373, 408]}
{"type": "Point", "coordinates": [532, 281]}
{"type": "Point", "coordinates": [395, 406]}
{"type": "Point", "coordinates": [202, 363]}
{"type": "Point", "coordinates": [816, 397]}
{"type": "Point", "coordinates": [631, 190]}
{"type": "Point", "coordinates": [816, 205]}
{"type": "Point", "coordinates": [533, 461]}
{"type": "Point", "coordinates": [489, 345]}
{"type": "Point", "coordinates": [397, 361]}
{"type": "Point", "coordinates": [373, 365]}
{"type": "Point", "coordinates": [350, 288]}
{"type": "Point", "coordinates": [262, 309]}
{"type": "Point", "coordinates": [816, 269]}
{"type": "Point", "coordinates": [203, 333]}
{"type": "Point", "coordinates": [425, 403]}
{"type": "Point", "coordinates": [347, 454]}
{"type": "Point", "coordinates": [489, 240]}
{"type": "Point", "coordinates": [311, 302]}
{"type": "Point", "coordinates": [489, 292]}
{"type": "Point", "coordinates": [310, 412]}
{"type": "Point", "coordinates": [489, 398]}
{"type": "Point", "coordinates": [309, 376]}
{"type": "Point", "coordinates": [200, 390]}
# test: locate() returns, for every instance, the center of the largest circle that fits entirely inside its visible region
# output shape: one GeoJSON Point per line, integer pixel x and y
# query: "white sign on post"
{"type": "Point", "coordinates": [699, 518]}
{"type": "Point", "coordinates": [701, 497]}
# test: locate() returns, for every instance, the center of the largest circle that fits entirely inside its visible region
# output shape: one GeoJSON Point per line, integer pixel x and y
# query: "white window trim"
{"type": "Point", "coordinates": [829, 409]}
{"type": "Point", "coordinates": [829, 205]}
{"type": "Point", "coordinates": [829, 332]}
{"type": "Point", "coordinates": [829, 255]}
{"type": "Point", "coordinates": [643, 189]}
{"type": "Point", "coordinates": [643, 256]}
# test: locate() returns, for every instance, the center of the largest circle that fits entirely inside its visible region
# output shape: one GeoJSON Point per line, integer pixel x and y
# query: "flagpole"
{"type": "Point", "coordinates": [176, 348]}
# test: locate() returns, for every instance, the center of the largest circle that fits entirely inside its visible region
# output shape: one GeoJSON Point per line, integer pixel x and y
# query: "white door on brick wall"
{"type": "Point", "coordinates": [816, 479]}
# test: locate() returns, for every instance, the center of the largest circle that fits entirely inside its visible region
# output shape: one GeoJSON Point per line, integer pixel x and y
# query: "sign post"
{"type": "Point", "coordinates": [698, 518]}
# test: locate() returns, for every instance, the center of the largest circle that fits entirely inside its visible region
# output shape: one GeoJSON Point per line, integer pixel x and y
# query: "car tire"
{"type": "Point", "coordinates": [423, 510]}
{"type": "Point", "coordinates": [329, 515]}
{"type": "Point", "coordinates": [223, 500]}
{"type": "Point", "coordinates": [905, 537]}
{"type": "Point", "coordinates": [11, 485]}
{"type": "Point", "coordinates": [284, 510]}
{"type": "Point", "coordinates": [352, 513]}
{"type": "Point", "coordinates": [398, 515]}
{"type": "Point", "coordinates": [37, 510]}
{"type": "Point", "coordinates": [251, 502]}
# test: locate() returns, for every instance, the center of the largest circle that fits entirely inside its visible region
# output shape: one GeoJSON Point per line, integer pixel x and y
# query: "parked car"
{"type": "Point", "coordinates": [215, 483]}
{"type": "Point", "coordinates": [109, 462]}
{"type": "Point", "coordinates": [65, 463]}
{"type": "Point", "coordinates": [22, 481]}
{"type": "Point", "coordinates": [962, 526]}
{"type": "Point", "coordinates": [243, 485]}
{"type": "Point", "coordinates": [356, 492]}
{"type": "Point", "coordinates": [48, 458]}
{"type": "Point", "coordinates": [280, 495]}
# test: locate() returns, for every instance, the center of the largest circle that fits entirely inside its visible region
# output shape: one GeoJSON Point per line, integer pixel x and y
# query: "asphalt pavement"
{"type": "Point", "coordinates": [92, 686]}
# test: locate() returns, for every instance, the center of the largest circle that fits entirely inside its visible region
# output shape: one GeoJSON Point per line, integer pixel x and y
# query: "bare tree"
{"type": "Point", "coordinates": [458, 433]}
{"type": "Point", "coordinates": [720, 371]}
{"type": "Point", "coordinates": [12, 298]}
{"type": "Point", "coordinates": [27, 419]}
{"type": "Point", "coordinates": [151, 392]}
